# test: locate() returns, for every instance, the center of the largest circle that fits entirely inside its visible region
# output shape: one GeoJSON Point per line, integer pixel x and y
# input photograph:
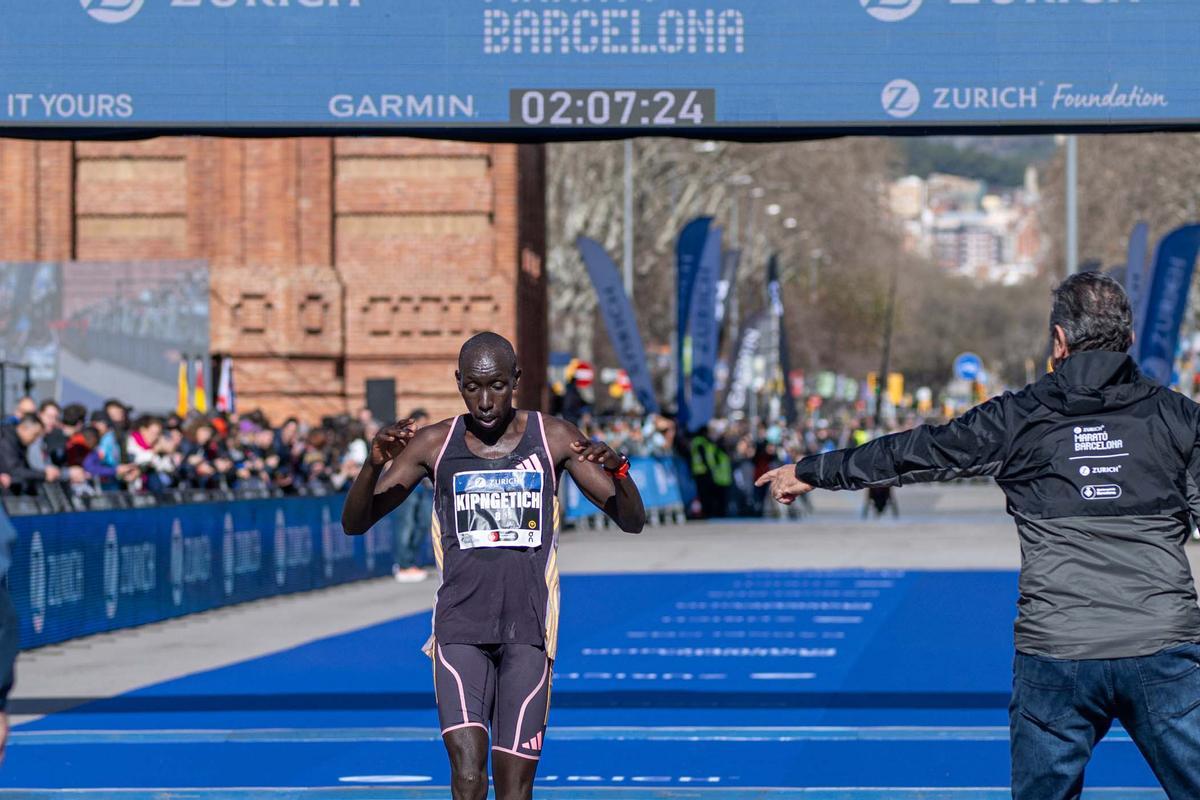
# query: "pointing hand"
{"type": "Point", "coordinates": [785, 486]}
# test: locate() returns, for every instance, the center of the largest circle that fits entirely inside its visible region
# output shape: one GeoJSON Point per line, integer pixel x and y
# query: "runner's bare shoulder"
{"type": "Point", "coordinates": [428, 440]}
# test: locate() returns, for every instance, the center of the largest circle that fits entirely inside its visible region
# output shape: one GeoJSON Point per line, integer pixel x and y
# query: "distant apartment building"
{"type": "Point", "coordinates": [955, 222]}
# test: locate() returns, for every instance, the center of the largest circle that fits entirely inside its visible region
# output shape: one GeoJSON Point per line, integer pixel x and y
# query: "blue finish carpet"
{"type": "Point", "coordinates": [820, 685]}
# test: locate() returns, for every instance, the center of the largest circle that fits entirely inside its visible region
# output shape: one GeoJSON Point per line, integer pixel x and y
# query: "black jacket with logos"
{"type": "Point", "coordinates": [1098, 464]}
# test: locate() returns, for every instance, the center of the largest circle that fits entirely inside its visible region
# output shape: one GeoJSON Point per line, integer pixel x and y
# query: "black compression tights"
{"type": "Point", "coordinates": [468, 750]}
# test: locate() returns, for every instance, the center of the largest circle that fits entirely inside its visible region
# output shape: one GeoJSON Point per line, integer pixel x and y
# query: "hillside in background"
{"type": "Point", "coordinates": [999, 160]}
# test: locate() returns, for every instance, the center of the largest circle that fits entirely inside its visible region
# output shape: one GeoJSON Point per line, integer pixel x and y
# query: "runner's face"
{"type": "Point", "coordinates": [487, 389]}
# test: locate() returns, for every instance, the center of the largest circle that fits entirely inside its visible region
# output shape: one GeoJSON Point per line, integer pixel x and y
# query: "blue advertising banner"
{"type": "Point", "coordinates": [78, 574]}
{"type": "Point", "coordinates": [742, 383]}
{"type": "Point", "coordinates": [703, 328]}
{"type": "Point", "coordinates": [775, 300]}
{"type": "Point", "coordinates": [1137, 272]}
{"type": "Point", "coordinates": [1166, 302]}
{"type": "Point", "coordinates": [555, 66]}
{"type": "Point", "coordinates": [657, 480]}
{"type": "Point", "coordinates": [689, 249]}
{"type": "Point", "coordinates": [620, 320]}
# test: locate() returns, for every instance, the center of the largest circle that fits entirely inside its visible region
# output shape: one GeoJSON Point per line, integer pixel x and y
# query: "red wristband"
{"type": "Point", "coordinates": [621, 472]}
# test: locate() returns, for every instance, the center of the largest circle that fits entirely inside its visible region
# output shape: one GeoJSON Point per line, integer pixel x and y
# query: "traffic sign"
{"type": "Point", "coordinates": [584, 375]}
{"type": "Point", "coordinates": [967, 367]}
{"type": "Point", "coordinates": [796, 380]}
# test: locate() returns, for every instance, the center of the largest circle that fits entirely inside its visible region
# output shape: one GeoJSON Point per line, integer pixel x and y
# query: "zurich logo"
{"type": "Point", "coordinates": [37, 582]}
{"type": "Point", "coordinates": [891, 10]}
{"type": "Point", "coordinates": [280, 547]}
{"type": "Point", "coordinates": [901, 98]}
{"type": "Point", "coordinates": [112, 572]}
{"type": "Point", "coordinates": [113, 11]}
{"type": "Point", "coordinates": [228, 562]}
{"type": "Point", "coordinates": [177, 561]}
{"type": "Point", "coordinates": [327, 534]}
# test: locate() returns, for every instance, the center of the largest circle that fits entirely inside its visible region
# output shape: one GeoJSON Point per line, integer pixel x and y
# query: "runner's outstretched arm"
{"type": "Point", "coordinates": [377, 491]}
{"type": "Point", "coordinates": [589, 464]}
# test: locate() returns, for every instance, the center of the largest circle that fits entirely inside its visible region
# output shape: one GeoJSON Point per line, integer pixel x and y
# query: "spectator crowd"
{"type": "Point", "coordinates": [110, 449]}
{"type": "Point", "coordinates": [45, 446]}
{"type": "Point", "coordinates": [726, 457]}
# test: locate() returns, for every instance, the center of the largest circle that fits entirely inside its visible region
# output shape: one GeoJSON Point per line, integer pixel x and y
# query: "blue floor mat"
{"type": "Point", "coordinates": [791, 679]}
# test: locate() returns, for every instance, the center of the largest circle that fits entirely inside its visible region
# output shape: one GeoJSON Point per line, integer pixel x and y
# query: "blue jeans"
{"type": "Point", "coordinates": [414, 519]}
{"type": "Point", "coordinates": [1061, 709]}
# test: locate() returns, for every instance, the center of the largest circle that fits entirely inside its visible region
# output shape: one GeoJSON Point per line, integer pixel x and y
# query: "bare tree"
{"type": "Point", "coordinates": [1124, 179]}
{"type": "Point", "coordinates": [833, 248]}
{"type": "Point", "coordinates": [821, 206]}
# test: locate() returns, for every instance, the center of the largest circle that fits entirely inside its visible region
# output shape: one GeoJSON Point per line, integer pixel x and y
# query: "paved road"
{"type": "Point", "coordinates": [949, 527]}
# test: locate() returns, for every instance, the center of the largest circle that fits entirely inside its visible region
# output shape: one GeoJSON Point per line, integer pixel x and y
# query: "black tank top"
{"type": "Point", "coordinates": [495, 535]}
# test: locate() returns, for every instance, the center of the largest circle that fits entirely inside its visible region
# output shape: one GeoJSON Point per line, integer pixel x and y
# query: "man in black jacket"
{"type": "Point", "coordinates": [15, 441]}
{"type": "Point", "coordinates": [1097, 463]}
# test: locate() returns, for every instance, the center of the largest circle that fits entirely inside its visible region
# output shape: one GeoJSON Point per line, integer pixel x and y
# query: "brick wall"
{"type": "Point", "coordinates": [333, 261]}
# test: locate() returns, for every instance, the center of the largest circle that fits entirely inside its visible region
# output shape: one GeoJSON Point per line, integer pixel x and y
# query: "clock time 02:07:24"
{"type": "Point", "coordinates": [612, 108]}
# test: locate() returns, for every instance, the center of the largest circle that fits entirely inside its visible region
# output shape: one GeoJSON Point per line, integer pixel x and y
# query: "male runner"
{"type": "Point", "coordinates": [495, 473]}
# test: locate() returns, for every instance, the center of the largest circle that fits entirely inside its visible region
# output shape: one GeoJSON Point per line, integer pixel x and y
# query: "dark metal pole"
{"type": "Point", "coordinates": [885, 367]}
{"type": "Point", "coordinates": [1072, 204]}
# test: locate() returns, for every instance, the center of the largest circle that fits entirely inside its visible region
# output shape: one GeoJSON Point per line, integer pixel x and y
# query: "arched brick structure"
{"type": "Point", "coordinates": [333, 260]}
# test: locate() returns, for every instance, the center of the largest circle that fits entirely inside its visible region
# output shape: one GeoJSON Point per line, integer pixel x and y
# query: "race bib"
{"type": "Point", "coordinates": [498, 508]}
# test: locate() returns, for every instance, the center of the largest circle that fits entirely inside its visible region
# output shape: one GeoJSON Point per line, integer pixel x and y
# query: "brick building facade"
{"type": "Point", "coordinates": [333, 260]}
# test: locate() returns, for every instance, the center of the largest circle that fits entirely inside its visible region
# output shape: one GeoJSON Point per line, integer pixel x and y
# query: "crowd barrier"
{"type": "Point", "coordinates": [76, 574]}
{"type": "Point", "coordinates": [661, 481]}
{"type": "Point", "coordinates": [80, 573]}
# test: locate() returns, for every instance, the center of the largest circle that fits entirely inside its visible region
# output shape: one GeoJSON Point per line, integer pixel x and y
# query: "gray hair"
{"type": "Point", "coordinates": [1093, 310]}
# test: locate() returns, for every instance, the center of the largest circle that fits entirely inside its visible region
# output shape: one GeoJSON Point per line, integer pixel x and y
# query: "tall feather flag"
{"type": "Point", "coordinates": [1166, 303]}
{"type": "Point", "coordinates": [1137, 274]}
{"type": "Point", "coordinates": [619, 319]}
{"type": "Point", "coordinates": [226, 399]}
{"type": "Point", "coordinates": [199, 393]}
{"type": "Point", "coordinates": [689, 249]}
{"type": "Point", "coordinates": [181, 401]}
{"type": "Point", "coordinates": [775, 296]}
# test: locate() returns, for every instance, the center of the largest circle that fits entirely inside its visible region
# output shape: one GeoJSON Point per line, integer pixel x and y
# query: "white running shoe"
{"type": "Point", "coordinates": [410, 575]}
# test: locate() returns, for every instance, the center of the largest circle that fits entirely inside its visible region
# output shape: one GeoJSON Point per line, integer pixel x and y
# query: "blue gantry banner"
{"type": "Point", "coordinates": [558, 66]}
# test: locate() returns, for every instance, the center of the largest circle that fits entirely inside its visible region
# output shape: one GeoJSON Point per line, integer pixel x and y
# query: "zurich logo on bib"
{"type": "Point", "coordinates": [112, 11]}
{"type": "Point", "coordinates": [891, 10]}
